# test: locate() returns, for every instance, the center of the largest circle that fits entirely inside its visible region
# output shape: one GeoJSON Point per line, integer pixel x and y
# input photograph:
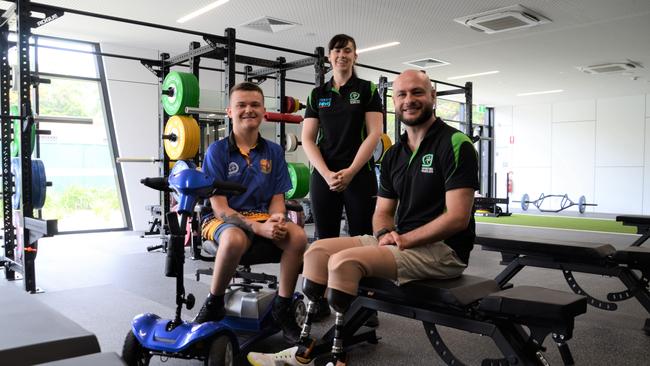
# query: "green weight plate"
{"type": "Point", "coordinates": [299, 175]}
{"type": "Point", "coordinates": [185, 89]}
{"type": "Point", "coordinates": [14, 142]}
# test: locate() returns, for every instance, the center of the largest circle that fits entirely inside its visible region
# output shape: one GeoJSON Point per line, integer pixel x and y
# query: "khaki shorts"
{"type": "Point", "coordinates": [435, 260]}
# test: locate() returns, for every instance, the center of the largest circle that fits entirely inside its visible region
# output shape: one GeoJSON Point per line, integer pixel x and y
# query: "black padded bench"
{"type": "Point", "coordinates": [472, 304]}
{"type": "Point", "coordinates": [642, 224]}
{"type": "Point", "coordinates": [95, 359]}
{"type": "Point", "coordinates": [32, 332]}
{"type": "Point", "coordinates": [600, 259]}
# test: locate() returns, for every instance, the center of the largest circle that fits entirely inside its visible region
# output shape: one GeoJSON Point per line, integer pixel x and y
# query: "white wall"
{"type": "Point", "coordinates": [599, 148]}
{"type": "Point", "coordinates": [133, 95]}
{"type": "Point", "coordinates": [134, 100]}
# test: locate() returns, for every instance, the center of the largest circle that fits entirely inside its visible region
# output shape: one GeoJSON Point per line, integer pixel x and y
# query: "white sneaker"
{"type": "Point", "coordinates": [282, 358]}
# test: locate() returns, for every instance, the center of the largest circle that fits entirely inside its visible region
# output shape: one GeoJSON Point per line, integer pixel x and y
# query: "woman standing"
{"type": "Point", "coordinates": [342, 126]}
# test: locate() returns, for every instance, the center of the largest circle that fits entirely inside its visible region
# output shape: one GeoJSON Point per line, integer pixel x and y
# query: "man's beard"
{"type": "Point", "coordinates": [427, 112]}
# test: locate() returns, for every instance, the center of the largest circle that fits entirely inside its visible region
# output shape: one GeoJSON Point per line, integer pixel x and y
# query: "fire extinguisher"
{"type": "Point", "coordinates": [510, 181]}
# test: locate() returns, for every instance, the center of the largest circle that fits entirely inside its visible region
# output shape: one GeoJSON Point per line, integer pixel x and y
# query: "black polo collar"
{"type": "Point", "coordinates": [435, 126]}
{"type": "Point", "coordinates": [353, 81]}
{"type": "Point", "coordinates": [232, 144]}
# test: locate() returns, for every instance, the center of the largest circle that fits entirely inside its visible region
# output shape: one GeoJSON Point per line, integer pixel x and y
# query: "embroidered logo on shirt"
{"type": "Point", "coordinates": [233, 168]}
{"type": "Point", "coordinates": [354, 98]}
{"type": "Point", "coordinates": [427, 162]}
{"type": "Point", "coordinates": [265, 166]}
{"type": "Point", "coordinates": [324, 102]}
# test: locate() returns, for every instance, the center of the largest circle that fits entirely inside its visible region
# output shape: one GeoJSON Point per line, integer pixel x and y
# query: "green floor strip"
{"type": "Point", "coordinates": [560, 222]}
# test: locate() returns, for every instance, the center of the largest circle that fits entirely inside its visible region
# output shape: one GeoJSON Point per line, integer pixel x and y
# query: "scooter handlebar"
{"type": "Point", "coordinates": [157, 183]}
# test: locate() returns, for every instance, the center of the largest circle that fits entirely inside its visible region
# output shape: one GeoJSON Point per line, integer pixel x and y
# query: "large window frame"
{"type": "Point", "coordinates": [104, 104]}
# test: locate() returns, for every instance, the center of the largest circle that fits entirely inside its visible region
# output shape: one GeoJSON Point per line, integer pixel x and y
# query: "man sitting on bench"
{"type": "Point", "coordinates": [255, 217]}
{"type": "Point", "coordinates": [429, 178]}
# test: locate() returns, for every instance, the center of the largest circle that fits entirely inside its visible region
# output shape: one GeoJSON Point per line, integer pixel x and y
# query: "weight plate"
{"type": "Point", "coordinates": [39, 184]}
{"type": "Point", "coordinates": [581, 204]}
{"type": "Point", "coordinates": [15, 172]}
{"type": "Point", "coordinates": [187, 134]}
{"type": "Point", "coordinates": [14, 143]}
{"type": "Point", "coordinates": [384, 144]}
{"type": "Point", "coordinates": [292, 143]}
{"type": "Point", "coordinates": [299, 175]}
{"type": "Point", "coordinates": [185, 92]}
{"type": "Point", "coordinates": [525, 202]}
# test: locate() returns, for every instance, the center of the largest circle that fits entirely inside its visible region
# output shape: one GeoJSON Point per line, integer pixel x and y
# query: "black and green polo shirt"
{"type": "Point", "coordinates": [341, 115]}
{"type": "Point", "coordinates": [445, 160]}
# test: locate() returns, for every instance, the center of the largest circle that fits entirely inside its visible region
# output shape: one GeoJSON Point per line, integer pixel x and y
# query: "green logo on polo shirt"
{"type": "Point", "coordinates": [354, 98]}
{"type": "Point", "coordinates": [427, 162]}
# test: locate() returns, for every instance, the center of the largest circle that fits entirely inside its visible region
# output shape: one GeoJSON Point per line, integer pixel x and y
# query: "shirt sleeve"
{"type": "Point", "coordinates": [214, 164]}
{"type": "Point", "coordinates": [386, 189]}
{"type": "Point", "coordinates": [460, 163]}
{"type": "Point", "coordinates": [282, 182]}
{"type": "Point", "coordinates": [374, 101]}
{"type": "Point", "coordinates": [312, 105]}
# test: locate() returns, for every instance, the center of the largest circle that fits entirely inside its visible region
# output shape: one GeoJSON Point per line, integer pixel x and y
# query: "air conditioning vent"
{"type": "Point", "coordinates": [426, 63]}
{"type": "Point", "coordinates": [610, 68]}
{"type": "Point", "coordinates": [503, 19]}
{"type": "Point", "coordinates": [270, 25]}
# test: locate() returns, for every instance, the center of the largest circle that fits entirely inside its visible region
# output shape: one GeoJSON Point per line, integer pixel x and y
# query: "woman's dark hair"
{"type": "Point", "coordinates": [340, 41]}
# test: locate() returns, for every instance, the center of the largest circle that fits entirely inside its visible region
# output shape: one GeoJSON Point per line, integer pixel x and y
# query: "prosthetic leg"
{"type": "Point", "coordinates": [340, 301]}
{"type": "Point", "coordinates": [314, 292]}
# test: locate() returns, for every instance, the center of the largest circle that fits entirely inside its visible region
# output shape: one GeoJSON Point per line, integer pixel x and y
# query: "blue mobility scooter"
{"type": "Point", "coordinates": [248, 303]}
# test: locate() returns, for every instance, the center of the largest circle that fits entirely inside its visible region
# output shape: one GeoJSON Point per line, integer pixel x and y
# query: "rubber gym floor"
{"type": "Point", "coordinates": [102, 280]}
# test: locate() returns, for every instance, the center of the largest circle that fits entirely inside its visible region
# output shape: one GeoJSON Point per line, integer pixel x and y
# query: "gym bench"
{"type": "Point", "coordinates": [600, 259]}
{"type": "Point", "coordinates": [33, 333]}
{"type": "Point", "coordinates": [642, 224]}
{"type": "Point", "coordinates": [473, 304]}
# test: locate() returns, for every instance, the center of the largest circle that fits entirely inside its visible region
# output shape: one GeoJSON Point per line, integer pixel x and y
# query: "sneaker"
{"type": "Point", "coordinates": [210, 313]}
{"type": "Point", "coordinates": [282, 358]}
{"type": "Point", "coordinates": [285, 318]}
{"type": "Point", "coordinates": [322, 310]}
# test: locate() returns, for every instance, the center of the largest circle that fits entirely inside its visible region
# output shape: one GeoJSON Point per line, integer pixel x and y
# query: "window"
{"type": "Point", "coordinates": [85, 194]}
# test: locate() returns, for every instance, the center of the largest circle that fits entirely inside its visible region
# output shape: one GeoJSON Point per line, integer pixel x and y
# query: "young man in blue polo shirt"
{"type": "Point", "coordinates": [238, 222]}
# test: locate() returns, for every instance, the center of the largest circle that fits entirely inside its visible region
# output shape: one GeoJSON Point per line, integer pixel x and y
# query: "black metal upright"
{"type": "Point", "coordinates": [382, 88]}
{"type": "Point", "coordinates": [229, 75]}
{"type": "Point", "coordinates": [280, 93]}
{"type": "Point", "coordinates": [319, 66]}
{"type": "Point", "coordinates": [29, 249]}
{"type": "Point", "coordinates": [166, 204]}
{"type": "Point", "coordinates": [7, 124]}
{"type": "Point", "coordinates": [468, 107]}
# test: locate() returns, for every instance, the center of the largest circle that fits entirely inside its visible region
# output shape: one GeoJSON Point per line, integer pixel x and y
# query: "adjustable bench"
{"type": "Point", "coordinates": [602, 259]}
{"type": "Point", "coordinates": [642, 224]}
{"type": "Point", "coordinates": [472, 304]}
{"type": "Point", "coordinates": [32, 332]}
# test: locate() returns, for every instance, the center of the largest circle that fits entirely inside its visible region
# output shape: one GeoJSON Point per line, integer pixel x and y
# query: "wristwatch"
{"type": "Point", "coordinates": [381, 232]}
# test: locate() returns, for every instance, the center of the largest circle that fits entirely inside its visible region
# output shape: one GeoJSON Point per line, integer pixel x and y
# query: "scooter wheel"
{"type": "Point", "coordinates": [133, 353]}
{"type": "Point", "coordinates": [299, 311]}
{"type": "Point", "coordinates": [221, 352]}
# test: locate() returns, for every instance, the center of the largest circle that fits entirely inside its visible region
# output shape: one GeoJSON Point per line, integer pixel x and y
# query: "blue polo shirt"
{"type": "Point", "coordinates": [263, 172]}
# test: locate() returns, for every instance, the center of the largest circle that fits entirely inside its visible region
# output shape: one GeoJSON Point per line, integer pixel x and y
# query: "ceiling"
{"type": "Point", "coordinates": [582, 32]}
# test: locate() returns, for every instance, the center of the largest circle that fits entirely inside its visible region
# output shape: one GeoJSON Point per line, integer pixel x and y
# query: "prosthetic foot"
{"type": "Point", "coordinates": [340, 301]}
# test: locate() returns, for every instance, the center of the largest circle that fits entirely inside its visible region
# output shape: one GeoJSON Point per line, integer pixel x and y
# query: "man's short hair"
{"type": "Point", "coordinates": [247, 86]}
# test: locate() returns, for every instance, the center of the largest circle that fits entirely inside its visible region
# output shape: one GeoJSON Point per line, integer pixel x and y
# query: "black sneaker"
{"type": "Point", "coordinates": [285, 318]}
{"type": "Point", "coordinates": [212, 310]}
{"type": "Point", "coordinates": [322, 310]}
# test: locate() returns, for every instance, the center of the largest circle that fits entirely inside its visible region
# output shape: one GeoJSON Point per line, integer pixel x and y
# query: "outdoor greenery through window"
{"type": "Point", "coordinates": [77, 154]}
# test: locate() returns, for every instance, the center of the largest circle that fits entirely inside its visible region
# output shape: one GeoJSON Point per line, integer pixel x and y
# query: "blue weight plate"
{"type": "Point", "coordinates": [15, 172]}
{"type": "Point", "coordinates": [39, 184]}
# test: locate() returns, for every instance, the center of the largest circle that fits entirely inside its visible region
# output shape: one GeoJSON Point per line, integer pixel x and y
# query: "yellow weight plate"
{"type": "Point", "coordinates": [384, 144]}
{"type": "Point", "coordinates": [185, 133]}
